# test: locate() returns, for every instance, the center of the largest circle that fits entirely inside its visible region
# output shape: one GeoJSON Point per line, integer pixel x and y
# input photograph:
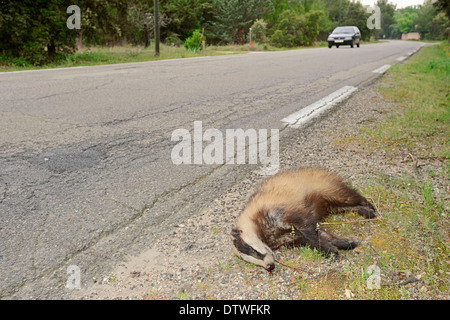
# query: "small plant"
{"type": "Point", "coordinates": [194, 42]}
{"type": "Point", "coordinates": [182, 295]}
{"type": "Point", "coordinates": [427, 194]}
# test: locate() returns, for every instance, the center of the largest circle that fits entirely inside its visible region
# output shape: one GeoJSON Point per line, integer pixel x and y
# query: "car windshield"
{"type": "Point", "coordinates": [343, 30]}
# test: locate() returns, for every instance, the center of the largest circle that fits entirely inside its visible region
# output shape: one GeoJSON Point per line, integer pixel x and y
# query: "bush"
{"type": "Point", "coordinates": [294, 29]}
{"type": "Point", "coordinates": [286, 30]}
{"type": "Point", "coordinates": [194, 42]}
{"type": "Point", "coordinates": [281, 39]}
{"type": "Point", "coordinates": [173, 40]}
{"type": "Point", "coordinates": [259, 31]}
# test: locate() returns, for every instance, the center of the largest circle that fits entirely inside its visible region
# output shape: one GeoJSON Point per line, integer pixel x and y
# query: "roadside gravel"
{"type": "Point", "coordinates": [196, 261]}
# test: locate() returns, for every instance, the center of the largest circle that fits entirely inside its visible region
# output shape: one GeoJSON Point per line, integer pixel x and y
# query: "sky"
{"type": "Point", "coordinates": [399, 3]}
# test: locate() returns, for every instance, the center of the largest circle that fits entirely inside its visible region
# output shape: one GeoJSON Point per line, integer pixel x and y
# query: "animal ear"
{"type": "Point", "coordinates": [236, 233]}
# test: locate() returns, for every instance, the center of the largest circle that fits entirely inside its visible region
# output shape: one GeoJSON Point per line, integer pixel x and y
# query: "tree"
{"type": "Point", "coordinates": [394, 31]}
{"type": "Point", "coordinates": [233, 18]}
{"type": "Point", "coordinates": [106, 22]}
{"type": "Point", "coordinates": [405, 18]}
{"type": "Point", "coordinates": [285, 32]}
{"type": "Point", "coordinates": [424, 23]}
{"type": "Point", "coordinates": [387, 11]}
{"type": "Point", "coordinates": [334, 9]}
{"type": "Point", "coordinates": [35, 30]}
{"type": "Point", "coordinates": [443, 18]}
{"type": "Point", "coordinates": [280, 6]}
{"type": "Point", "coordinates": [356, 15]}
{"type": "Point", "coordinates": [185, 15]}
{"type": "Point", "coordinates": [142, 16]}
{"type": "Point", "coordinates": [444, 23]}
{"type": "Point", "coordinates": [443, 6]}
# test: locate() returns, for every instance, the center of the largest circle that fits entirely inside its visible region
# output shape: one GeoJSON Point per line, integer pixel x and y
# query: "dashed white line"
{"type": "Point", "coordinates": [302, 116]}
{"type": "Point", "coordinates": [382, 69]}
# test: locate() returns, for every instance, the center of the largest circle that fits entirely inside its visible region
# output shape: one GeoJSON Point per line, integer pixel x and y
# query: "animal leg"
{"type": "Point", "coordinates": [367, 211]}
{"type": "Point", "coordinates": [350, 199]}
{"type": "Point", "coordinates": [342, 244]}
{"type": "Point", "coordinates": [316, 240]}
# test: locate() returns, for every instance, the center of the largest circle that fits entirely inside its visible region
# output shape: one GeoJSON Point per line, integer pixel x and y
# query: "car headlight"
{"type": "Point", "coordinates": [330, 39]}
{"type": "Point", "coordinates": [348, 38]}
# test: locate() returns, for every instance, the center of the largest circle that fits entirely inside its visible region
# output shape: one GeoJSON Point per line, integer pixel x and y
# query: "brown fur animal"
{"type": "Point", "coordinates": [286, 210]}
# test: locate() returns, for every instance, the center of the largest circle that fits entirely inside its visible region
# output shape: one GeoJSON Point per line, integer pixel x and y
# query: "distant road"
{"type": "Point", "coordinates": [85, 153]}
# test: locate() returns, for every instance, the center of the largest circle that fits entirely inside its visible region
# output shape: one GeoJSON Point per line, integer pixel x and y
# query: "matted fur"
{"type": "Point", "coordinates": [286, 210]}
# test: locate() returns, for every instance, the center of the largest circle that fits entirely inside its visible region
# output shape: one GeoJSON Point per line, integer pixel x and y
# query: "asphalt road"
{"type": "Point", "coordinates": [86, 174]}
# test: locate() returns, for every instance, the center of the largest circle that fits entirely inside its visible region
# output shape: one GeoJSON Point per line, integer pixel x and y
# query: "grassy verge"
{"type": "Point", "coordinates": [91, 56]}
{"type": "Point", "coordinates": [421, 93]}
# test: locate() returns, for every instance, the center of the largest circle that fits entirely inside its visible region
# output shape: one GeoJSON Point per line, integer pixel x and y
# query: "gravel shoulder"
{"type": "Point", "coordinates": [196, 261]}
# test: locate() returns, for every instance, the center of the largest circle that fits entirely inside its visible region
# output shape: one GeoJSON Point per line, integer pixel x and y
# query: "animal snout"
{"type": "Point", "coordinates": [270, 267]}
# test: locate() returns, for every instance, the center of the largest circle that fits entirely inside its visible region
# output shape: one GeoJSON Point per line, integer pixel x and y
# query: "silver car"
{"type": "Point", "coordinates": [348, 35]}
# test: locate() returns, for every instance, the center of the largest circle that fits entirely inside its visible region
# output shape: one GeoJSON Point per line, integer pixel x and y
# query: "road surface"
{"type": "Point", "coordinates": [86, 173]}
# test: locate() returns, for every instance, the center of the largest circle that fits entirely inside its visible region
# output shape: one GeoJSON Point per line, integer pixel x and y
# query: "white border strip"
{"type": "Point", "coordinates": [118, 65]}
{"type": "Point", "coordinates": [401, 58]}
{"type": "Point", "coordinates": [49, 69]}
{"type": "Point", "coordinates": [302, 116]}
{"type": "Point", "coordinates": [382, 69]}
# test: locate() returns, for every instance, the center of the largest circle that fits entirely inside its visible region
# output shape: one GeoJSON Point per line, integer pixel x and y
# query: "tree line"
{"type": "Point", "coordinates": [36, 31]}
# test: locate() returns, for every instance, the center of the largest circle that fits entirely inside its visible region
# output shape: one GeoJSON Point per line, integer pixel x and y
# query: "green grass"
{"type": "Point", "coordinates": [91, 56]}
{"type": "Point", "coordinates": [421, 93]}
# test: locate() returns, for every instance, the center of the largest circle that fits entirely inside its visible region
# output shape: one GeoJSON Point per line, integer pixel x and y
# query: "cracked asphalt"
{"type": "Point", "coordinates": [86, 176]}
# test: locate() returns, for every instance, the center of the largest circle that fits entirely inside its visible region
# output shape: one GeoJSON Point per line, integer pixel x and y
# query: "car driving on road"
{"type": "Point", "coordinates": [348, 35]}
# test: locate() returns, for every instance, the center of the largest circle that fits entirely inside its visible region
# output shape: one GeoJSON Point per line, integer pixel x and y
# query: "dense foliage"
{"type": "Point", "coordinates": [35, 30]}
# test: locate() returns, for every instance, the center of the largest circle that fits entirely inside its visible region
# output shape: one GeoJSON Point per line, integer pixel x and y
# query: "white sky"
{"type": "Point", "coordinates": [399, 3]}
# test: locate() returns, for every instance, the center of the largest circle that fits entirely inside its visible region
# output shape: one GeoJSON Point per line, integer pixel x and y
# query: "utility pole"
{"type": "Point", "coordinates": [156, 5]}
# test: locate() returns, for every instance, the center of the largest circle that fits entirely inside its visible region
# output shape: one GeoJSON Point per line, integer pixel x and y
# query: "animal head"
{"type": "Point", "coordinates": [250, 248]}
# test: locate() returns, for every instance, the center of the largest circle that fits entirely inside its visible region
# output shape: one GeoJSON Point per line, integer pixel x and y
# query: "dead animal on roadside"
{"type": "Point", "coordinates": [286, 210]}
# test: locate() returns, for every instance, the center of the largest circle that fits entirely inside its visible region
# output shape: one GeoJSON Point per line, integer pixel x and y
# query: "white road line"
{"type": "Point", "coordinates": [382, 69]}
{"type": "Point", "coordinates": [39, 70]}
{"type": "Point", "coordinates": [114, 65]}
{"type": "Point", "coordinates": [400, 58]}
{"type": "Point", "coordinates": [302, 116]}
